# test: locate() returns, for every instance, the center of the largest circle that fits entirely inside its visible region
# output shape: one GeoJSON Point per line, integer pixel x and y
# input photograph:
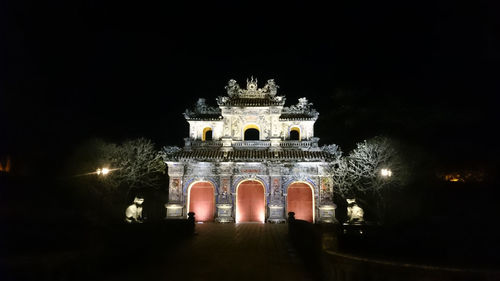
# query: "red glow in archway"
{"type": "Point", "coordinates": [202, 201]}
{"type": "Point", "coordinates": [300, 201]}
{"type": "Point", "coordinates": [250, 202]}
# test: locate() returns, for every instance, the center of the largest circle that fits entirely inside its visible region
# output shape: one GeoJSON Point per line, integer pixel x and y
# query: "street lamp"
{"type": "Point", "coordinates": [386, 173]}
{"type": "Point", "coordinates": [103, 171]}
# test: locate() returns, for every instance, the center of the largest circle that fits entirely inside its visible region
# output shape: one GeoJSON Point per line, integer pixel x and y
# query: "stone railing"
{"type": "Point", "coordinates": [296, 144]}
{"type": "Point", "coordinates": [205, 144]}
{"type": "Point", "coordinates": [305, 144]}
{"type": "Point", "coordinates": [251, 144]}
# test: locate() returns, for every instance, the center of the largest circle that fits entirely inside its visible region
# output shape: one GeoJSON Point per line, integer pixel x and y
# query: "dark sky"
{"type": "Point", "coordinates": [422, 71]}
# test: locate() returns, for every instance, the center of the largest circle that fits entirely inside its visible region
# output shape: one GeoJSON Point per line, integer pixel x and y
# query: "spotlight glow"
{"type": "Point", "coordinates": [386, 172]}
{"type": "Point", "coordinates": [104, 171]}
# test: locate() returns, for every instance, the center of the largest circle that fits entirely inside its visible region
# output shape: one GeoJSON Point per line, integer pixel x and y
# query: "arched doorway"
{"type": "Point", "coordinates": [202, 201]}
{"type": "Point", "coordinates": [300, 201]}
{"type": "Point", "coordinates": [250, 202]}
{"type": "Point", "coordinates": [207, 134]}
{"type": "Point", "coordinates": [251, 132]}
{"type": "Point", "coordinates": [294, 133]}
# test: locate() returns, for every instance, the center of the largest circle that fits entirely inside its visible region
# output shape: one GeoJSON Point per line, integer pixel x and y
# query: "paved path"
{"type": "Point", "coordinates": [248, 251]}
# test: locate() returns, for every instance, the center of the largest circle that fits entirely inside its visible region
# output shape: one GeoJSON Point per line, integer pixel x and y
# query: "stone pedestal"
{"type": "Point", "coordinates": [224, 213]}
{"type": "Point", "coordinates": [276, 213]}
{"type": "Point", "coordinates": [174, 211]}
{"type": "Point", "coordinates": [227, 144]}
{"type": "Point", "coordinates": [327, 213]}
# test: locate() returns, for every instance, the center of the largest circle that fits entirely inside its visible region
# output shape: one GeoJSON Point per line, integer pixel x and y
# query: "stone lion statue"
{"type": "Point", "coordinates": [354, 212]}
{"type": "Point", "coordinates": [133, 213]}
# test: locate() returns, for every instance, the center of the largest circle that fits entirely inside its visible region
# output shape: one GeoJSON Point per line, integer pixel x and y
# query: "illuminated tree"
{"type": "Point", "coordinates": [342, 180]}
{"type": "Point", "coordinates": [134, 164]}
{"type": "Point", "coordinates": [370, 172]}
{"type": "Point", "coordinates": [138, 164]}
{"type": "Point", "coordinates": [374, 166]}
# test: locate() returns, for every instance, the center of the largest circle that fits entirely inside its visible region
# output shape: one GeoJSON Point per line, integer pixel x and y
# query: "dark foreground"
{"type": "Point", "coordinates": [250, 251]}
{"type": "Point", "coordinates": [171, 251]}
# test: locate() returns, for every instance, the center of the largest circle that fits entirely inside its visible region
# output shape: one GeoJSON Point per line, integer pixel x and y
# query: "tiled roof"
{"type": "Point", "coordinates": [250, 155]}
{"type": "Point", "coordinates": [297, 116]}
{"type": "Point", "coordinates": [251, 102]}
{"type": "Point", "coordinates": [205, 117]}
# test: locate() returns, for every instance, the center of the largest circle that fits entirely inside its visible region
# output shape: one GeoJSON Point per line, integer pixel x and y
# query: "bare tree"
{"type": "Point", "coordinates": [372, 170]}
{"type": "Point", "coordinates": [138, 164]}
{"type": "Point", "coordinates": [342, 180]}
{"type": "Point", "coordinates": [375, 165]}
{"type": "Point", "coordinates": [134, 164]}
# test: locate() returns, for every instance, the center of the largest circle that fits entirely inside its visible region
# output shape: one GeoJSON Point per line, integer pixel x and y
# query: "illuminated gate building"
{"type": "Point", "coordinates": [251, 159]}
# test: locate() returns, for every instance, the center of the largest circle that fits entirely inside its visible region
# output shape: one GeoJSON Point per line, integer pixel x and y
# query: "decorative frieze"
{"type": "Point", "coordinates": [175, 190]}
{"type": "Point", "coordinates": [326, 191]}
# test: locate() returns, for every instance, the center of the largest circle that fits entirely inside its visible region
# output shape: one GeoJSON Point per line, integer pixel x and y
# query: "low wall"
{"type": "Point", "coordinates": [318, 245]}
{"type": "Point", "coordinates": [342, 267]}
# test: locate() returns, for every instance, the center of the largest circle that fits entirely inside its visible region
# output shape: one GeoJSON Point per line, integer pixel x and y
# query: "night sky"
{"type": "Point", "coordinates": [425, 72]}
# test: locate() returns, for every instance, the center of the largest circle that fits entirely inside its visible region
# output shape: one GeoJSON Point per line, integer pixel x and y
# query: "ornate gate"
{"type": "Point", "coordinates": [300, 201]}
{"type": "Point", "coordinates": [202, 201]}
{"type": "Point", "coordinates": [250, 202]}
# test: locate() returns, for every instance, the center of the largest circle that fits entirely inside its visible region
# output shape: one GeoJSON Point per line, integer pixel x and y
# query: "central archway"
{"type": "Point", "coordinates": [201, 201]}
{"type": "Point", "coordinates": [300, 201]}
{"type": "Point", "coordinates": [251, 132]}
{"type": "Point", "coordinates": [250, 202]}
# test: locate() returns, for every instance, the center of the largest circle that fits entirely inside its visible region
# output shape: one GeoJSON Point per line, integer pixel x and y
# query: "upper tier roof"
{"type": "Point", "coordinates": [252, 96]}
{"type": "Point", "coordinates": [250, 102]}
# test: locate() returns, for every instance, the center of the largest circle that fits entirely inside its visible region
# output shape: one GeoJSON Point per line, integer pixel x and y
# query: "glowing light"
{"type": "Point", "coordinates": [386, 172]}
{"type": "Point", "coordinates": [104, 171]}
{"type": "Point", "coordinates": [251, 126]}
{"type": "Point", "coordinates": [6, 167]}
{"type": "Point", "coordinates": [454, 178]}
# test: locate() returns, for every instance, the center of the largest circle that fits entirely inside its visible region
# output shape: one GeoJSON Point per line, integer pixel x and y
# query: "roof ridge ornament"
{"type": "Point", "coordinates": [252, 95]}
{"type": "Point", "coordinates": [234, 90]}
{"type": "Point", "coordinates": [201, 108]}
{"type": "Point", "coordinates": [303, 107]}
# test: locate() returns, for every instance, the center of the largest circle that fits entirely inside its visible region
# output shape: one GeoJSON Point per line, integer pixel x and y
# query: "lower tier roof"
{"type": "Point", "coordinates": [250, 156]}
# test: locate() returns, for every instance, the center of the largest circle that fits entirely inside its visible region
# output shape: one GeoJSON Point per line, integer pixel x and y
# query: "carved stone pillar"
{"type": "Point", "coordinates": [326, 207]}
{"type": "Point", "coordinates": [175, 205]}
{"type": "Point", "coordinates": [224, 200]}
{"type": "Point", "coordinates": [276, 206]}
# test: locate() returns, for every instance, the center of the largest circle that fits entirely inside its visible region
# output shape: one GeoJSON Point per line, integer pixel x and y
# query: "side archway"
{"type": "Point", "coordinates": [300, 200]}
{"type": "Point", "coordinates": [201, 201]}
{"type": "Point", "coordinates": [207, 134]}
